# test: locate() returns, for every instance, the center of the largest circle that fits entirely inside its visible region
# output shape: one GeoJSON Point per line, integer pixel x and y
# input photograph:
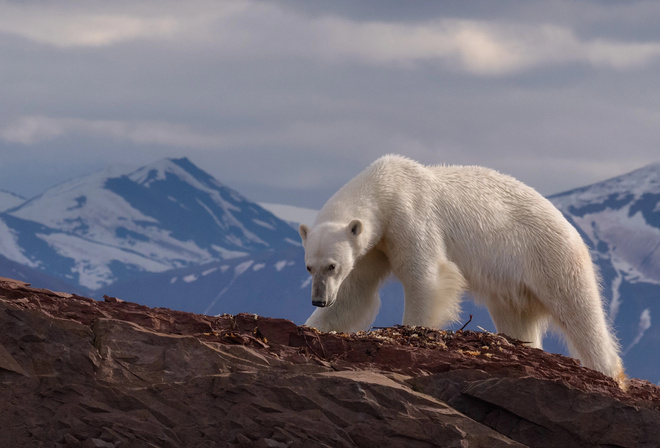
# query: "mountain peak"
{"type": "Point", "coordinates": [181, 168]}
{"type": "Point", "coordinates": [181, 161]}
{"type": "Point", "coordinates": [632, 185]}
{"type": "Point", "coordinates": [164, 215]}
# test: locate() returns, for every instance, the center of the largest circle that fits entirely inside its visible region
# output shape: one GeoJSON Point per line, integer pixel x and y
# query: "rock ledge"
{"type": "Point", "coordinates": [76, 372]}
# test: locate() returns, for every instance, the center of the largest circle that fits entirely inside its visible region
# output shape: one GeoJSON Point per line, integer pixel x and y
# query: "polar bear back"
{"type": "Point", "coordinates": [501, 229]}
{"type": "Point", "coordinates": [494, 227]}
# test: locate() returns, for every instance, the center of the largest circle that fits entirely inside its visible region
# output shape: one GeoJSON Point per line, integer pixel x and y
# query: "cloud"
{"type": "Point", "coordinates": [620, 55]}
{"type": "Point", "coordinates": [272, 95]}
{"type": "Point", "coordinates": [644, 324]}
{"type": "Point", "coordinates": [74, 27]}
{"type": "Point", "coordinates": [29, 130]}
{"type": "Point", "coordinates": [36, 129]}
{"type": "Point", "coordinates": [246, 29]}
{"type": "Point", "coordinates": [480, 47]}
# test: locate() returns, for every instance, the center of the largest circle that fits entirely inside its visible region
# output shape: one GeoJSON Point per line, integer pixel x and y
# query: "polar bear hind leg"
{"type": "Point", "coordinates": [432, 299]}
{"type": "Point", "coordinates": [576, 310]}
{"type": "Point", "coordinates": [588, 335]}
{"type": "Point", "coordinates": [520, 318]}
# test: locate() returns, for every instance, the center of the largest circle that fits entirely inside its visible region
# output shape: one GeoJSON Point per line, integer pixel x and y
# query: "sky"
{"type": "Point", "coordinates": [287, 100]}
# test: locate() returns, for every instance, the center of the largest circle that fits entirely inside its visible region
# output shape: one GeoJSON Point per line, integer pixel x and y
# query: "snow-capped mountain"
{"type": "Point", "coordinates": [9, 200]}
{"type": "Point", "coordinates": [119, 222]}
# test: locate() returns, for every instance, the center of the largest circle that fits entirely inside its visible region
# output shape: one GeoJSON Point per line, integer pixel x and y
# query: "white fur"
{"type": "Point", "coordinates": [442, 230]}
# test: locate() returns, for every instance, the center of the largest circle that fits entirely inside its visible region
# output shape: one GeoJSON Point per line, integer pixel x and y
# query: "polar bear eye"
{"type": "Point", "coordinates": [331, 267]}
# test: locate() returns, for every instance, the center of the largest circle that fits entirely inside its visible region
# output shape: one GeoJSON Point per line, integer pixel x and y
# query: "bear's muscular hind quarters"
{"type": "Point", "coordinates": [469, 229]}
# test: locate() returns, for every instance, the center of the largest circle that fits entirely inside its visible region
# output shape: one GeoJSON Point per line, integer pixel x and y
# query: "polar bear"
{"type": "Point", "coordinates": [443, 230]}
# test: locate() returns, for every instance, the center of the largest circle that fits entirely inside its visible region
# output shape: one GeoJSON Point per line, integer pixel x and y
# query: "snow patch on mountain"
{"type": "Point", "coordinates": [643, 326]}
{"type": "Point", "coordinates": [189, 278]}
{"type": "Point", "coordinates": [293, 242]}
{"type": "Point", "coordinates": [93, 261]}
{"type": "Point", "coordinates": [263, 224]}
{"type": "Point", "coordinates": [258, 266]}
{"type": "Point", "coordinates": [282, 264]}
{"type": "Point", "coordinates": [209, 271]}
{"type": "Point", "coordinates": [241, 268]}
{"type": "Point", "coordinates": [211, 214]}
{"type": "Point", "coordinates": [227, 254]}
{"type": "Point", "coordinates": [616, 296]}
{"type": "Point", "coordinates": [10, 248]}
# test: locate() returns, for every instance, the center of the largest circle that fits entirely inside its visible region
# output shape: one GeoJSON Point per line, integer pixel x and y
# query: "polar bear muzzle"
{"type": "Point", "coordinates": [320, 293]}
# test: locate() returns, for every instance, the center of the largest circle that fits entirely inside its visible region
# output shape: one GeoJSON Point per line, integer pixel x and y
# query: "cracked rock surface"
{"type": "Point", "coordinates": [81, 373]}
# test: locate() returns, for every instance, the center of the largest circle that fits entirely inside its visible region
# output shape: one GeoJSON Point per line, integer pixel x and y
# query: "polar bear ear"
{"type": "Point", "coordinates": [303, 229]}
{"type": "Point", "coordinates": [355, 227]}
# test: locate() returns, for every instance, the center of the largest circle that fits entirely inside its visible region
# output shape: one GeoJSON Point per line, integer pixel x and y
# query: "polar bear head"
{"type": "Point", "coordinates": [331, 249]}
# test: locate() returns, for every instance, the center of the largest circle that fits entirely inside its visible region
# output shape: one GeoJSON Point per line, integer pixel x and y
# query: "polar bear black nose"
{"type": "Point", "coordinates": [320, 303]}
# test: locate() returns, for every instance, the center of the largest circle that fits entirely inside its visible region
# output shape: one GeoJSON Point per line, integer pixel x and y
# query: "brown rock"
{"type": "Point", "coordinates": [82, 373]}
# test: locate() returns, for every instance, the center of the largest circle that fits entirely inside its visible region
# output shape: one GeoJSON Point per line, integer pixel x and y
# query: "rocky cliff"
{"type": "Point", "coordinates": [77, 372]}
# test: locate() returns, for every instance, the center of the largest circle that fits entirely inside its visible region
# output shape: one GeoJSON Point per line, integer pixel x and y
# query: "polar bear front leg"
{"type": "Point", "coordinates": [357, 301]}
{"type": "Point", "coordinates": [433, 294]}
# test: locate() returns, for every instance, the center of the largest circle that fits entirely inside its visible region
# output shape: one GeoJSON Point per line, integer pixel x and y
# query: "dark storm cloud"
{"type": "Point", "coordinates": [288, 100]}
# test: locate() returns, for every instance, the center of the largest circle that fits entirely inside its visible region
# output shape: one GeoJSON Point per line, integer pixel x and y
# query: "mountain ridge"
{"type": "Point", "coordinates": [645, 179]}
